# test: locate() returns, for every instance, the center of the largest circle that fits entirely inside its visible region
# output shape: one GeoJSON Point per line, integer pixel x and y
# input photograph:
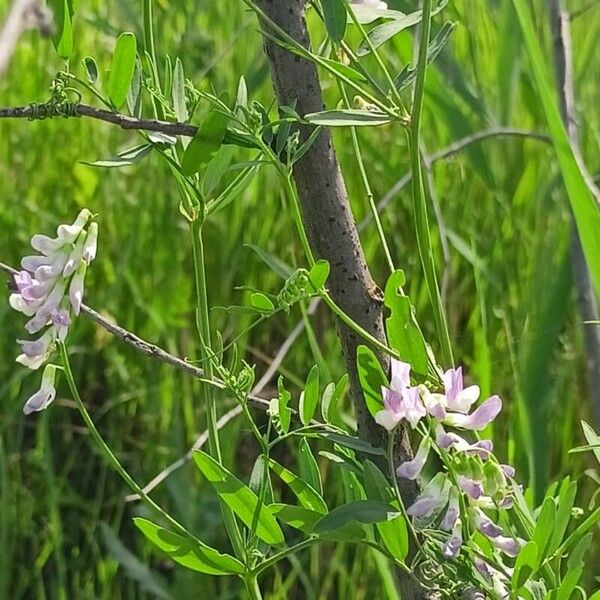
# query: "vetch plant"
{"type": "Point", "coordinates": [450, 518]}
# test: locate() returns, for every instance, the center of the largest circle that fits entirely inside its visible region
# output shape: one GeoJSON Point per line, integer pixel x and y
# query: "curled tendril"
{"type": "Point", "coordinates": [63, 101]}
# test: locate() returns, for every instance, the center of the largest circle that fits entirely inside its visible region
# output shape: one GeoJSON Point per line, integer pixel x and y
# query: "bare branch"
{"type": "Point", "coordinates": [22, 15]}
{"type": "Point", "coordinates": [100, 114]}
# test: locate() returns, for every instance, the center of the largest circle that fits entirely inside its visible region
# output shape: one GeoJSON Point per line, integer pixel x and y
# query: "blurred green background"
{"type": "Point", "coordinates": [502, 245]}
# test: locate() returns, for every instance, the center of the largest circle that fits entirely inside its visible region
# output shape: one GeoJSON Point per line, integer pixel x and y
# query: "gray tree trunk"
{"type": "Point", "coordinates": [329, 222]}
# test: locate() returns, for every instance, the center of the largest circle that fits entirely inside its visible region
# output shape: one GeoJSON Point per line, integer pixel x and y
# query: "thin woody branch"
{"type": "Point", "coordinates": [152, 350]}
{"type": "Point", "coordinates": [32, 112]}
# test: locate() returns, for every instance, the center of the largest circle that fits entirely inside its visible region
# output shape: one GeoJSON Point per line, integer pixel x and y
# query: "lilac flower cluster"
{"type": "Point", "coordinates": [49, 290]}
{"type": "Point", "coordinates": [473, 480]}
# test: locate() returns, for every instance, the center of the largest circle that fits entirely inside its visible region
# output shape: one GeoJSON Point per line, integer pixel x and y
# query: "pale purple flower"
{"type": "Point", "coordinates": [412, 469]}
{"type": "Point", "coordinates": [485, 525]}
{"type": "Point", "coordinates": [22, 280]}
{"type": "Point", "coordinates": [506, 502]}
{"type": "Point", "coordinates": [67, 234]}
{"type": "Point", "coordinates": [18, 303]}
{"type": "Point", "coordinates": [423, 506]}
{"type": "Point", "coordinates": [43, 284]}
{"type": "Point", "coordinates": [434, 403]}
{"type": "Point", "coordinates": [471, 487]}
{"type": "Point", "coordinates": [432, 498]}
{"type": "Point", "coordinates": [51, 303]}
{"type": "Point", "coordinates": [483, 568]}
{"type": "Point", "coordinates": [447, 440]}
{"type": "Point", "coordinates": [454, 542]}
{"type": "Point", "coordinates": [510, 546]}
{"type": "Point", "coordinates": [76, 256]}
{"type": "Point", "coordinates": [76, 287]}
{"type": "Point", "coordinates": [393, 411]}
{"type": "Point", "coordinates": [46, 245]}
{"type": "Point", "coordinates": [399, 400]}
{"type": "Point", "coordinates": [36, 352]}
{"type": "Point", "coordinates": [508, 470]}
{"type": "Point", "coordinates": [482, 416]}
{"type": "Point", "coordinates": [415, 410]}
{"type": "Point", "coordinates": [453, 511]}
{"type": "Point", "coordinates": [91, 243]}
{"type": "Point", "coordinates": [45, 395]}
{"type": "Point", "coordinates": [61, 319]}
{"type": "Point", "coordinates": [400, 372]}
{"type": "Point", "coordinates": [458, 398]}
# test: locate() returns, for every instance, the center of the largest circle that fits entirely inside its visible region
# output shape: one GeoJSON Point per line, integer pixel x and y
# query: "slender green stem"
{"type": "Point", "coordinates": [252, 588]}
{"type": "Point", "coordinates": [376, 55]}
{"type": "Point", "coordinates": [367, 186]}
{"type": "Point", "coordinates": [418, 192]}
{"type": "Point", "coordinates": [292, 197]}
{"type": "Point", "coordinates": [356, 327]}
{"type": "Point", "coordinates": [108, 454]}
{"type": "Point", "coordinates": [203, 326]}
{"type": "Point", "coordinates": [390, 457]}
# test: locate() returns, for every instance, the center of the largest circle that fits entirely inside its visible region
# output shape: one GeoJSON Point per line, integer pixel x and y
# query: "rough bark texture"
{"type": "Point", "coordinates": [328, 218]}
{"type": "Point", "coordinates": [586, 296]}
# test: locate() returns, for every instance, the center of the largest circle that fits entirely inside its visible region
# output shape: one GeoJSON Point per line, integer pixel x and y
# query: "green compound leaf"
{"type": "Point", "coordinates": [403, 332]}
{"type": "Point", "coordinates": [240, 498]}
{"type": "Point", "coordinates": [309, 396]}
{"type": "Point", "coordinates": [298, 517]}
{"type": "Point", "coordinates": [371, 377]}
{"type": "Point", "coordinates": [206, 143]}
{"type": "Point", "coordinates": [306, 494]}
{"type": "Point", "coordinates": [525, 565]}
{"type": "Point", "coordinates": [362, 511]}
{"type": "Point", "coordinates": [394, 533]}
{"type": "Point", "coordinates": [347, 117]}
{"type": "Point", "coordinates": [122, 69]}
{"type": "Point", "coordinates": [334, 15]}
{"type": "Point", "coordinates": [191, 554]}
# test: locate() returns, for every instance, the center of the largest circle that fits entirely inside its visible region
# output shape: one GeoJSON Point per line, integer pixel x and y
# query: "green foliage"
{"type": "Point", "coordinates": [122, 68]}
{"type": "Point", "coordinates": [497, 200]}
{"type": "Point", "coordinates": [190, 554]}
{"type": "Point", "coordinates": [241, 499]}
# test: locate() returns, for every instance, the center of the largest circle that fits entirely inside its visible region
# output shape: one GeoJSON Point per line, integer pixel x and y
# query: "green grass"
{"type": "Point", "coordinates": [65, 531]}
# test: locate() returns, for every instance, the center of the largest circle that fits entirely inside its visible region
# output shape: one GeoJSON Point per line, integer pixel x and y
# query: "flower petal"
{"type": "Point", "coordinates": [45, 395]}
{"type": "Point", "coordinates": [415, 410]}
{"type": "Point", "coordinates": [471, 487]}
{"type": "Point", "coordinates": [412, 469]}
{"type": "Point", "coordinates": [69, 233]}
{"type": "Point", "coordinates": [453, 512]}
{"type": "Point", "coordinates": [486, 526]}
{"type": "Point", "coordinates": [479, 418]}
{"type": "Point", "coordinates": [508, 545]}
{"type": "Point", "coordinates": [46, 245]}
{"type": "Point", "coordinates": [464, 399]}
{"type": "Point", "coordinates": [76, 287]}
{"type": "Point", "coordinates": [434, 404]}
{"type": "Point", "coordinates": [400, 375]}
{"type": "Point", "coordinates": [388, 419]}
{"type": "Point", "coordinates": [91, 243]}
